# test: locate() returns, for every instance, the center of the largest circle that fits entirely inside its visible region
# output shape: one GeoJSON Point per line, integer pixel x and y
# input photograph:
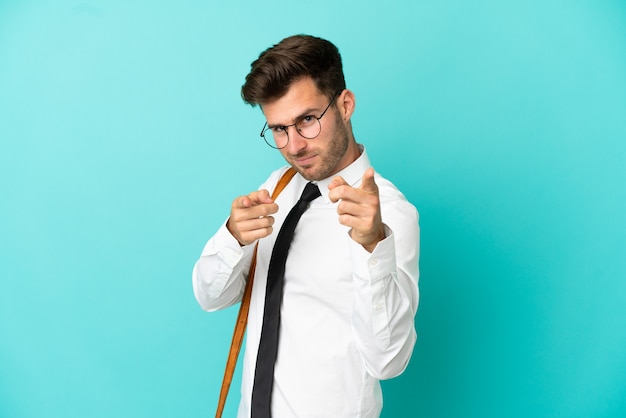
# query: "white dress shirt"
{"type": "Point", "coordinates": [347, 317]}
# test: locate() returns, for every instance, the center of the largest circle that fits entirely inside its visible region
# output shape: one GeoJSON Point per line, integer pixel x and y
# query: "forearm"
{"type": "Point", "coordinates": [385, 304]}
{"type": "Point", "coordinates": [220, 274]}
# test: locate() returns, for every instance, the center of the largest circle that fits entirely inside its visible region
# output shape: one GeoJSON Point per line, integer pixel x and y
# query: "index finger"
{"type": "Point", "coordinates": [253, 199]}
{"type": "Point", "coordinates": [336, 182]}
{"type": "Point", "coordinates": [339, 189]}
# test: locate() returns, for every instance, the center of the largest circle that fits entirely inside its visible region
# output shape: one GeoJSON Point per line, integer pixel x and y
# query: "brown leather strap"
{"type": "Point", "coordinates": [242, 317]}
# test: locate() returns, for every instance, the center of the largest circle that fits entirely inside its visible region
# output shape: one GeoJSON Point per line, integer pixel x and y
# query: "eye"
{"type": "Point", "coordinates": [307, 120]}
{"type": "Point", "coordinates": [278, 129]}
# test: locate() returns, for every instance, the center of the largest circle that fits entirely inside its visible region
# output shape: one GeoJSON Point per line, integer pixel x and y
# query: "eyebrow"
{"type": "Point", "coordinates": [297, 118]}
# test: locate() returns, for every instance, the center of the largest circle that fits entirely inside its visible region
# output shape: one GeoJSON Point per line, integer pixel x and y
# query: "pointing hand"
{"type": "Point", "coordinates": [250, 217]}
{"type": "Point", "coordinates": [359, 209]}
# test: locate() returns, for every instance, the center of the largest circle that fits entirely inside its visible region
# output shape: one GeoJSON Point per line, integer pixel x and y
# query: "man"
{"type": "Point", "coordinates": [349, 289]}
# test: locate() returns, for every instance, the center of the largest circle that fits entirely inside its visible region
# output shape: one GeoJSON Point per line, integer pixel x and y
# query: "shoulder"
{"type": "Point", "coordinates": [392, 199]}
{"type": "Point", "coordinates": [271, 182]}
{"type": "Point", "coordinates": [388, 190]}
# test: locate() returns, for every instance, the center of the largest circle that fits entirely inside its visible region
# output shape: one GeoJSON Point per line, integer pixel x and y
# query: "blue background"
{"type": "Point", "coordinates": [123, 140]}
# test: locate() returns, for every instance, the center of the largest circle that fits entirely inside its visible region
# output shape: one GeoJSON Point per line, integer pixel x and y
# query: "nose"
{"type": "Point", "coordinates": [296, 141]}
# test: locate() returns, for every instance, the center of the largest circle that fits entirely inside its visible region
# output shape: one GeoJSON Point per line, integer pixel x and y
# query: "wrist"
{"type": "Point", "coordinates": [371, 245]}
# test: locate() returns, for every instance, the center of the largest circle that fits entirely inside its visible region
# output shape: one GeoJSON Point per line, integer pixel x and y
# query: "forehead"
{"type": "Point", "coordinates": [302, 97]}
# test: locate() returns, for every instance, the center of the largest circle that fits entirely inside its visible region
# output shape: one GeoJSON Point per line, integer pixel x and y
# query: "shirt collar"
{"type": "Point", "coordinates": [352, 174]}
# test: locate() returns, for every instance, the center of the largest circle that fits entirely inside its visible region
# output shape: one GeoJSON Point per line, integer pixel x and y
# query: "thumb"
{"type": "Point", "coordinates": [263, 196]}
{"type": "Point", "coordinates": [336, 182]}
{"type": "Point", "coordinates": [368, 184]}
{"type": "Point", "coordinates": [244, 202]}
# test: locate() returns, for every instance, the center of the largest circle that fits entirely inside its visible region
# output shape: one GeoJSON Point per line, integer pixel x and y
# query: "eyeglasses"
{"type": "Point", "coordinates": [308, 126]}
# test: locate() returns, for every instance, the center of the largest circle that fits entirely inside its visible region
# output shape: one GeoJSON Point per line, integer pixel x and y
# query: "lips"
{"type": "Point", "coordinates": [306, 160]}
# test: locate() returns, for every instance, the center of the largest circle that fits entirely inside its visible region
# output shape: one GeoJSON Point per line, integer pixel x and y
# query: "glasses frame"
{"type": "Point", "coordinates": [272, 142]}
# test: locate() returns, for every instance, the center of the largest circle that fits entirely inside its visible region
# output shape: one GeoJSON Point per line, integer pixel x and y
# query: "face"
{"type": "Point", "coordinates": [334, 148]}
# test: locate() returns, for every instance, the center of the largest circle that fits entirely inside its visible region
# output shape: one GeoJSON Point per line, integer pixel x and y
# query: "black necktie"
{"type": "Point", "coordinates": [268, 345]}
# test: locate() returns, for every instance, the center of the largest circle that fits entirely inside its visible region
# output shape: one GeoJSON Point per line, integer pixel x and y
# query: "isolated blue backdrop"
{"type": "Point", "coordinates": [123, 140]}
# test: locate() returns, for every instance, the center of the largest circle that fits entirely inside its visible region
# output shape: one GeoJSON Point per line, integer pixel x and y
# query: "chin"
{"type": "Point", "coordinates": [308, 173]}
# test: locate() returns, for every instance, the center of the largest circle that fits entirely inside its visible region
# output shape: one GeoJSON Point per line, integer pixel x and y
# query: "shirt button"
{"type": "Point", "coordinates": [378, 307]}
{"type": "Point", "coordinates": [373, 261]}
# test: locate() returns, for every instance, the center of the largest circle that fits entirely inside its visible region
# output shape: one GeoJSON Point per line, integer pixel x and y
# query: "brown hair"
{"type": "Point", "coordinates": [291, 59]}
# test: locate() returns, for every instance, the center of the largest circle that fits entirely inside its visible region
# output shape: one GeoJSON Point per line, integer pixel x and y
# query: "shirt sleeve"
{"type": "Point", "coordinates": [386, 296]}
{"type": "Point", "coordinates": [220, 274]}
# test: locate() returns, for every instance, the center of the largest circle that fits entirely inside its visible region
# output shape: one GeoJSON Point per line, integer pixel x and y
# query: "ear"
{"type": "Point", "coordinates": [346, 104]}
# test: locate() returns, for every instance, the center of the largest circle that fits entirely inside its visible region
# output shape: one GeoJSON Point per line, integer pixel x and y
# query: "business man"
{"type": "Point", "coordinates": [335, 289]}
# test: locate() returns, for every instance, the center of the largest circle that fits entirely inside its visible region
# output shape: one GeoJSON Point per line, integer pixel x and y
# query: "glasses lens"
{"type": "Point", "coordinates": [275, 138]}
{"type": "Point", "coordinates": [309, 127]}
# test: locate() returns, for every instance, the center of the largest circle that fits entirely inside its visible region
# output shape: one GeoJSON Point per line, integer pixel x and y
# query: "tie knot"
{"type": "Point", "coordinates": [311, 191]}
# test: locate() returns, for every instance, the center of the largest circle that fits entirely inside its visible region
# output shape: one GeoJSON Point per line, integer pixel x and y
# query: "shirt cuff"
{"type": "Point", "coordinates": [226, 245]}
{"type": "Point", "coordinates": [378, 264]}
